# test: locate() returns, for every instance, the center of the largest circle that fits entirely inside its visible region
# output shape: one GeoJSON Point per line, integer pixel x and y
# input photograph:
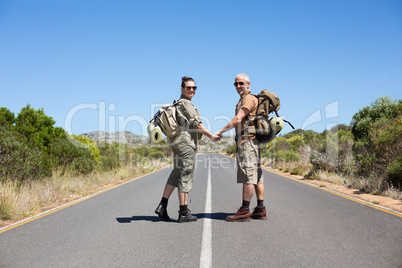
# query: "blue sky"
{"type": "Point", "coordinates": [106, 65]}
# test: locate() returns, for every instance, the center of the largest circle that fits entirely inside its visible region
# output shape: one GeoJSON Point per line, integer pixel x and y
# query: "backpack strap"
{"type": "Point", "coordinates": [285, 120]}
{"type": "Point", "coordinates": [249, 127]}
{"type": "Point", "coordinates": [159, 113]}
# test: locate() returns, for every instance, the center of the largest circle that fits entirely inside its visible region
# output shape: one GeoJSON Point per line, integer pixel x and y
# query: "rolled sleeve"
{"type": "Point", "coordinates": [194, 121]}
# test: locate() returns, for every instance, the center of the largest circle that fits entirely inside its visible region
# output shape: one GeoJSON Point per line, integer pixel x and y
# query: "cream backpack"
{"type": "Point", "coordinates": [166, 119]}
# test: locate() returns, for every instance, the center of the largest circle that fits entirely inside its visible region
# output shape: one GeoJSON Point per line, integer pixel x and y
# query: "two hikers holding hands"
{"type": "Point", "coordinates": [185, 144]}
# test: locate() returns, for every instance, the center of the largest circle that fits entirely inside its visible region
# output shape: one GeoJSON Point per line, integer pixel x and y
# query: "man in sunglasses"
{"type": "Point", "coordinates": [248, 155]}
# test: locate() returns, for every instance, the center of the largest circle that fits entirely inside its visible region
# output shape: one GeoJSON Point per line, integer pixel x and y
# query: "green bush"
{"type": "Point", "coordinates": [346, 160]}
{"type": "Point", "coordinates": [31, 148]}
{"type": "Point", "coordinates": [18, 161]}
{"type": "Point", "coordinates": [296, 142]}
{"type": "Point", "coordinates": [108, 163]}
{"type": "Point", "coordinates": [281, 144]}
{"type": "Point", "coordinates": [83, 164]}
{"type": "Point", "coordinates": [64, 155]}
{"type": "Point", "coordinates": [156, 151]}
{"type": "Point", "coordinates": [231, 150]}
{"type": "Point", "coordinates": [36, 126]}
{"type": "Point", "coordinates": [156, 154]}
{"type": "Point", "coordinates": [299, 170]}
{"type": "Point", "coordinates": [363, 120]}
{"type": "Point", "coordinates": [394, 172]}
{"type": "Point", "coordinates": [7, 118]}
{"type": "Point", "coordinates": [287, 156]}
{"type": "Point", "coordinates": [377, 130]}
{"type": "Point", "coordinates": [87, 143]}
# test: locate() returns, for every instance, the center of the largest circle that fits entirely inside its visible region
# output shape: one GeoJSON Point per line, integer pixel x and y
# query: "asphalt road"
{"type": "Point", "coordinates": [306, 227]}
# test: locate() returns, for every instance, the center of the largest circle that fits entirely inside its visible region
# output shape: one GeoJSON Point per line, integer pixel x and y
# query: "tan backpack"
{"type": "Point", "coordinates": [266, 129]}
{"type": "Point", "coordinates": [166, 119]}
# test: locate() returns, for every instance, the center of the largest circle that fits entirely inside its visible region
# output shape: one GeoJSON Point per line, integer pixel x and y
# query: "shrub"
{"type": "Point", "coordinates": [65, 156]}
{"type": "Point", "coordinates": [363, 120]}
{"type": "Point", "coordinates": [156, 154]}
{"type": "Point", "coordinates": [321, 161]}
{"type": "Point", "coordinates": [35, 125]}
{"type": "Point", "coordinates": [377, 131]}
{"type": "Point", "coordinates": [394, 172]}
{"type": "Point", "coordinates": [7, 118]}
{"type": "Point", "coordinates": [381, 150]}
{"type": "Point", "coordinates": [295, 142]}
{"type": "Point", "coordinates": [18, 161]}
{"type": "Point", "coordinates": [324, 152]}
{"type": "Point", "coordinates": [231, 150]}
{"type": "Point", "coordinates": [346, 161]}
{"type": "Point", "coordinates": [301, 170]}
{"type": "Point", "coordinates": [108, 163]}
{"type": "Point", "coordinates": [287, 156]}
{"type": "Point", "coordinates": [281, 144]}
{"type": "Point", "coordinates": [90, 144]}
{"type": "Point", "coordinates": [83, 164]}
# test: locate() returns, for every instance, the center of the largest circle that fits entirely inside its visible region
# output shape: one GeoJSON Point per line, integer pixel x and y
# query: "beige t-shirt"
{"type": "Point", "coordinates": [250, 102]}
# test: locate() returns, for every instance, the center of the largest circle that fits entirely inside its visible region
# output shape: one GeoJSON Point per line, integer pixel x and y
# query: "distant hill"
{"type": "Point", "coordinates": [133, 140]}
{"type": "Point", "coordinates": [123, 137]}
{"type": "Point", "coordinates": [207, 146]}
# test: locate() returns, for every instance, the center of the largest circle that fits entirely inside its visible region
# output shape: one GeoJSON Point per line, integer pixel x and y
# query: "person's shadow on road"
{"type": "Point", "coordinates": [212, 216]}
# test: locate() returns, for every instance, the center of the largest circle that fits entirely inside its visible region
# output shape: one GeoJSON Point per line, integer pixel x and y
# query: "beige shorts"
{"type": "Point", "coordinates": [249, 162]}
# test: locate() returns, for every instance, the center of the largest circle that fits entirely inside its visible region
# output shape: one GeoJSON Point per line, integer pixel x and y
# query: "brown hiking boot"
{"type": "Point", "coordinates": [241, 215]}
{"type": "Point", "coordinates": [259, 214]}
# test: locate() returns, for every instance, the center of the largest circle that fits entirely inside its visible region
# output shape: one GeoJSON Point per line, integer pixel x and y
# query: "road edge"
{"type": "Point", "coordinates": [50, 211]}
{"type": "Point", "coordinates": [332, 191]}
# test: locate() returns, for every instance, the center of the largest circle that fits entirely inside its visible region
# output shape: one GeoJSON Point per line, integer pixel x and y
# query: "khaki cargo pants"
{"type": "Point", "coordinates": [249, 162]}
{"type": "Point", "coordinates": [183, 169]}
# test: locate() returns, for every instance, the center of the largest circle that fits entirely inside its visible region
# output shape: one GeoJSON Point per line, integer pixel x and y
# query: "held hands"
{"type": "Point", "coordinates": [213, 137]}
{"type": "Point", "coordinates": [216, 137]}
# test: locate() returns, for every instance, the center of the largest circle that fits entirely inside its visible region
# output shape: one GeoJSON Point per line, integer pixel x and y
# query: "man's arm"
{"type": "Point", "coordinates": [241, 114]}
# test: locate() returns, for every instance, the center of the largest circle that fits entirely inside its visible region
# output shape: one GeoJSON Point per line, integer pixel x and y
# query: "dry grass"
{"type": "Point", "coordinates": [393, 193]}
{"type": "Point", "coordinates": [20, 200]}
{"type": "Point", "coordinates": [331, 177]}
{"type": "Point", "coordinates": [367, 185]}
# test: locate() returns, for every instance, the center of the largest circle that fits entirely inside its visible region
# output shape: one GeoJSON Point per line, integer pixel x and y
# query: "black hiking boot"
{"type": "Point", "coordinates": [162, 212]}
{"type": "Point", "coordinates": [185, 216]}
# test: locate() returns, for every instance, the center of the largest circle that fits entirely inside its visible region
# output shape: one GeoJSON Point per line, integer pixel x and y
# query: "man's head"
{"type": "Point", "coordinates": [242, 83]}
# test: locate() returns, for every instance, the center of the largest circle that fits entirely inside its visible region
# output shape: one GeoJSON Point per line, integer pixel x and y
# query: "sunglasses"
{"type": "Point", "coordinates": [240, 83]}
{"type": "Point", "coordinates": [194, 88]}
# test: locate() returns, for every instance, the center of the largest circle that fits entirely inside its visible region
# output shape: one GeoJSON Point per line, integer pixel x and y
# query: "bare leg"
{"type": "Point", "coordinates": [183, 198]}
{"type": "Point", "coordinates": [168, 191]}
{"type": "Point", "coordinates": [259, 190]}
{"type": "Point", "coordinates": [248, 191]}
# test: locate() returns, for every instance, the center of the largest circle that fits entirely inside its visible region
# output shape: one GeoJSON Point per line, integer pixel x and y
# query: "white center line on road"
{"type": "Point", "coordinates": [206, 246]}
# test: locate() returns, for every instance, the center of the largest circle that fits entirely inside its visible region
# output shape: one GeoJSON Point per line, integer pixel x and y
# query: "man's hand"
{"type": "Point", "coordinates": [215, 137]}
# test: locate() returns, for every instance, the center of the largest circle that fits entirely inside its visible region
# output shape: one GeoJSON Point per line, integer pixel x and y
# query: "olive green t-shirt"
{"type": "Point", "coordinates": [189, 118]}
